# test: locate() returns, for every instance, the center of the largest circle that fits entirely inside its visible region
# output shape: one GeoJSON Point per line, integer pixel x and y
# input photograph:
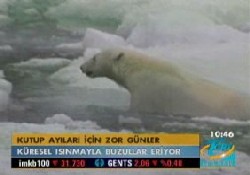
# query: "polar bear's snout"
{"type": "Point", "coordinates": [89, 73]}
{"type": "Point", "coordinates": [85, 70]}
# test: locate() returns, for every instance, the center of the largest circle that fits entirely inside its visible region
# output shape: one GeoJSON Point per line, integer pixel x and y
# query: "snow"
{"type": "Point", "coordinates": [128, 120]}
{"type": "Point", "coordinates": [43, 64]}
{"type": "Point", "coordinates": [210, 119]}
{"type": "Point", "coordinates": [70, 124]}
{"type": "Point", "coordinates": [6, 48]}
{"type": "Point", "coordinates": [70, 47]}
{"type": "Point", "coordinates": [97, 39]}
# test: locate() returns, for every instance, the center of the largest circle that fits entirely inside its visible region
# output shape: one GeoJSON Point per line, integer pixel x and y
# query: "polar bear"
{"type": "Point", "coordinates": [161, 87]}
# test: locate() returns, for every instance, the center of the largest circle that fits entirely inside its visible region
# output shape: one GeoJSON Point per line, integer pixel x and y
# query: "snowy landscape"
{"type": "Point", "coordinates": [42, 88]}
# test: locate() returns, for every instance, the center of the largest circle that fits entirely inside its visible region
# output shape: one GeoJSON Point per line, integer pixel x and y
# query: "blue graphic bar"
{"type": "Point", "coordinates": [105, 151]}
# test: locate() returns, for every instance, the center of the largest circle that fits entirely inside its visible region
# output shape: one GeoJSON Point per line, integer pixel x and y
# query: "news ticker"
{"type": "Point", "coordinates": [116, 150]}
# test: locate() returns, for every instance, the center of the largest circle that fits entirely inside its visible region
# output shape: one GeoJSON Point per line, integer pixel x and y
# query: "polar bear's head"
{"type": "Point", "coordinates": [102, 64]}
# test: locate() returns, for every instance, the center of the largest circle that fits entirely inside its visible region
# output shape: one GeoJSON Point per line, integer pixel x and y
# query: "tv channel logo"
{"type": "Point", "coordinates": [217, 153]}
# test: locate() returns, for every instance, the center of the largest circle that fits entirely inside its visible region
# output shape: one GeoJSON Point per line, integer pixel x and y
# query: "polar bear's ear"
{"type": "Point", "coordinates": [119, 57]}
